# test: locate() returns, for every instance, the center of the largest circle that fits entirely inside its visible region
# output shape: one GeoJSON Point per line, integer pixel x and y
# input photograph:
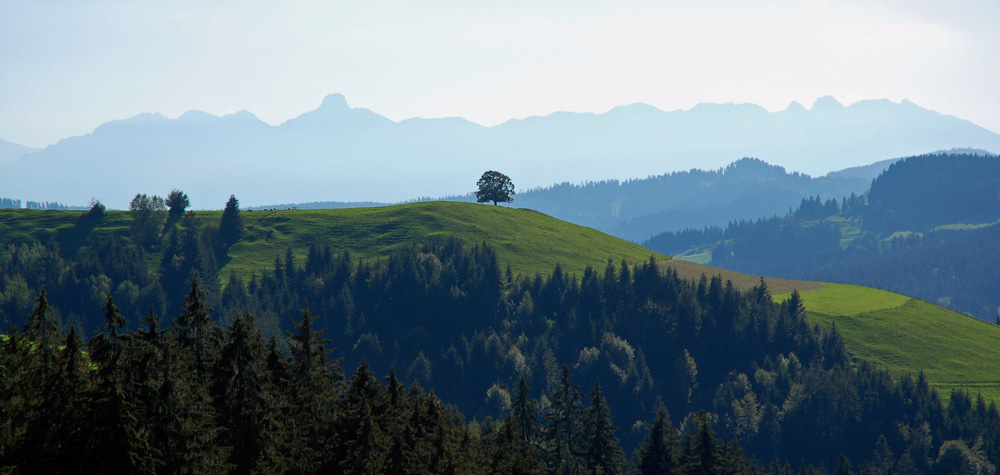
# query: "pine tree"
{"type": "Point", "coordinates": [602, 450]}
{"type": "Point", "coordinates": [658, 453]}
{"type": "Point", "coordinates": [703, 455]}
{"type": "Point", "coordinates": [231, 224]}
{"type": "Point", "coordinates": [44, 330]}
{"type": "Point", "coordinates": [361, 434]}
{"type": "Point", "coordinates": [562, 423]}
{"type": "Point", "coordinates": [524, 411]}
{"type": "Point", "coordinates": [196, 330]}
{"type": "Point", "coordinates": [240, 395]}
{"type": "Point", "coordinates": [313, 387]}
{"type": "Point", "coordinates": [509, 452]}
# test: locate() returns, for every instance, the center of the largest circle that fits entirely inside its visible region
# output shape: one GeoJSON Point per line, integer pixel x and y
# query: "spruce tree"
{"type": "Point", "coordinates": [524, 411]}
{"type": "Point", "coordinates": [240, 395]}
{"type": "Point", "coordinates": [602, 451]}
{"type": "Point", "coordinates": [562, 423]}
{"type": "Point", "coordinates": [231, 224]}
{"type": "Point", "coordinates": [703, 454]}
{"type": "Point", "coordinates": [658, 453]}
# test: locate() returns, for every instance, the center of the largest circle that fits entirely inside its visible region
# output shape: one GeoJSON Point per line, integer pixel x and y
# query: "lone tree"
{"type": "Point", "coordinates": [496, 187]}
{"type": "Point", "coordinates": [231, 225]}
{"type": "Point", "coordinates": [177, 201]}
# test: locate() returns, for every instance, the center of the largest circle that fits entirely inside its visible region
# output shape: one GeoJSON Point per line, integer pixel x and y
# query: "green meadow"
{"type": "Point", "coordinates": [902, 334]}
{"type": "Point", "coordinates": [907, 336]}
{"type": "Point", "coordinates": [527, 240]}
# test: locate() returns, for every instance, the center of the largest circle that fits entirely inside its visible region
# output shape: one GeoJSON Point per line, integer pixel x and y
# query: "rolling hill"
{"type": "Point", "coordinates": [902, 334]}
{"type": "Point", "coordinates": [527, 240]}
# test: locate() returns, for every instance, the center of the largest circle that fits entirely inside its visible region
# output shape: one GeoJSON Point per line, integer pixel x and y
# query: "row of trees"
{"type": "Point", "coordinates": [151, 214]}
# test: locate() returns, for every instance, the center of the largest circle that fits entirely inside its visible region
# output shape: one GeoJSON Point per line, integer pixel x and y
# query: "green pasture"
{"type": "Point", "coordinates": [906, 335]}
{"type": "Point", "coordinates": [527, 240]}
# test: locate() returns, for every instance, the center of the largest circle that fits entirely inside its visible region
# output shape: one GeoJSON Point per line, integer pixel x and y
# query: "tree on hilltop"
{"type": "Point", "coordinates": [494, 186]}
{"type": "Point", "coordinates": [231, 225]}
{"type": "Point", "coordinates": [149, 214]}
{"type": "Point", "coordinates": [177, 201]}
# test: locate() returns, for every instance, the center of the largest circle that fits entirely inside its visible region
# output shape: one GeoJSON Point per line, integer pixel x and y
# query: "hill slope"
{"type": "Point", "coordinates": [527, 240]}
{"type": "Point", "coordinates": [902, 334]}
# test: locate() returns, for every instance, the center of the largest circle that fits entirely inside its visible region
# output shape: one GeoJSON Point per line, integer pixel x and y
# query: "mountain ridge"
{"type": "Point", "coordinates": [321, 154]}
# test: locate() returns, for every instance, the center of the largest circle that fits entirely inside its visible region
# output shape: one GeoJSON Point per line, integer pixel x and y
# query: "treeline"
{"type": "Point", "coordinates": [12, 203]}
{"type": "Point", "coordinates": [450, 318]}
{"type": "Point", "coordinates": [919, 193]}
{"type": "Point", "coordinates": [193, 397]}
{"type": "Point", "coordinates": [951, 267]}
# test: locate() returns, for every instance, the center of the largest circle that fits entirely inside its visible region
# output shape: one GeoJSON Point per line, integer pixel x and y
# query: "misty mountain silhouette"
{"type": "Point", "coordinates": [340, 153]}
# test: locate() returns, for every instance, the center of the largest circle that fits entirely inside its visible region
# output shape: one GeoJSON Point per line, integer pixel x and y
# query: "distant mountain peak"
{"type": "Point", "coordinates": [714, 107]}
{"type": "Point", "coordinates": [794, 106]}
{"type": "Point", "coordinates": [635, 108]}
{"type": "Point", "coordinates": [196, 115]}
{"type": "Point", "coordinates": [334, 102]}
{"type": "Point", "coordinates": [826, 103]}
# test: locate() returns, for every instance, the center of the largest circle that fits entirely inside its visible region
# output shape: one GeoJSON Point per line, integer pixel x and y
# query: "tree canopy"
{"type": "Point", "coordinates": [496, 187]}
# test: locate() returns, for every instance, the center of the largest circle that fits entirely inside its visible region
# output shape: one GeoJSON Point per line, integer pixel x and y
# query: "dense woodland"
{"type": "Point", "coordinates": [180, 373]}
{"type": "Point", "coordinates": [900, 243]}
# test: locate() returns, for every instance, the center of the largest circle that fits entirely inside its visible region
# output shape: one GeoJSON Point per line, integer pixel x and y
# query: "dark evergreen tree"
{"type": "Point", "coordinates": [703, 455]}
{"type": "Point", "coordinates": [524, 411]}
{"type": "Point", "coordinates": [602, 453]}
{"type": "Point", "coordinates": [231, 225]}
{"type": "Point", "coordinates": [658, 454]}
{"type": "Point", "coordinates": [562, 423]}
{"type": "Point", "coordinates": [240, 391]}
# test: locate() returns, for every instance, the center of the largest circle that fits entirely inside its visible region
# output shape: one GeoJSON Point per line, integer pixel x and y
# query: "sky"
{"type": "Point", "coordinates": [67, 66]}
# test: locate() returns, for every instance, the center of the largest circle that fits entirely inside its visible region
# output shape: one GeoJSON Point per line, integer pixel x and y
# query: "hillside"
{"type": "Point", "coordinates": [902, 334]}
{"type": "Point", "coordinates": [527, 240]}
{"type": "Point", "coordinates": [927, 228]}
{"type": "Point", "coordinates": [420, 295]}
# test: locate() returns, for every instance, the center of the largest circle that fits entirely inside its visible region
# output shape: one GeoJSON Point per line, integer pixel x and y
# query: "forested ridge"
{"type": "Point", "coordinates": [237, 377]}
{"type": "Point", "coordinates": [926, 228]}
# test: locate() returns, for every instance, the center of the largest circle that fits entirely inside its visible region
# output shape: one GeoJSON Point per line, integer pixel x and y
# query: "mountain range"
{"type": "Point", "coordinates": [341, 153]}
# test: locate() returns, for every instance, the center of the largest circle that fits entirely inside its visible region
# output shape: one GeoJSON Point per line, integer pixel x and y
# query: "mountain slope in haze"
{"type": "Point", "coordinates": [350, 154]}
{"type": "Point", "coordinates": [639, 208]}
{"type": "Point", "coordinates": [10, 151]}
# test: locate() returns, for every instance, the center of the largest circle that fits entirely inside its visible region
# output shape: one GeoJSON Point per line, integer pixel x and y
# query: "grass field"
{"type": "Point", "coordinates": [529, 241]}
{"type": "Point", "coordinates": [906, 335]}
{"type": "Point", "coordinates": [902, 334]}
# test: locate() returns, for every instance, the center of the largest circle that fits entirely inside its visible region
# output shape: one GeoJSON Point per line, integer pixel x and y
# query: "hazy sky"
{"type": "Point", "coordinates": [66, 66]}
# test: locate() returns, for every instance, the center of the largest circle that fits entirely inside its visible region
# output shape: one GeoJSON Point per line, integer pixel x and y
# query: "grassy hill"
{"type": "Point", "coordinates": [902, 334]}
{"type": "Point", "coordinates": [527, 240]}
